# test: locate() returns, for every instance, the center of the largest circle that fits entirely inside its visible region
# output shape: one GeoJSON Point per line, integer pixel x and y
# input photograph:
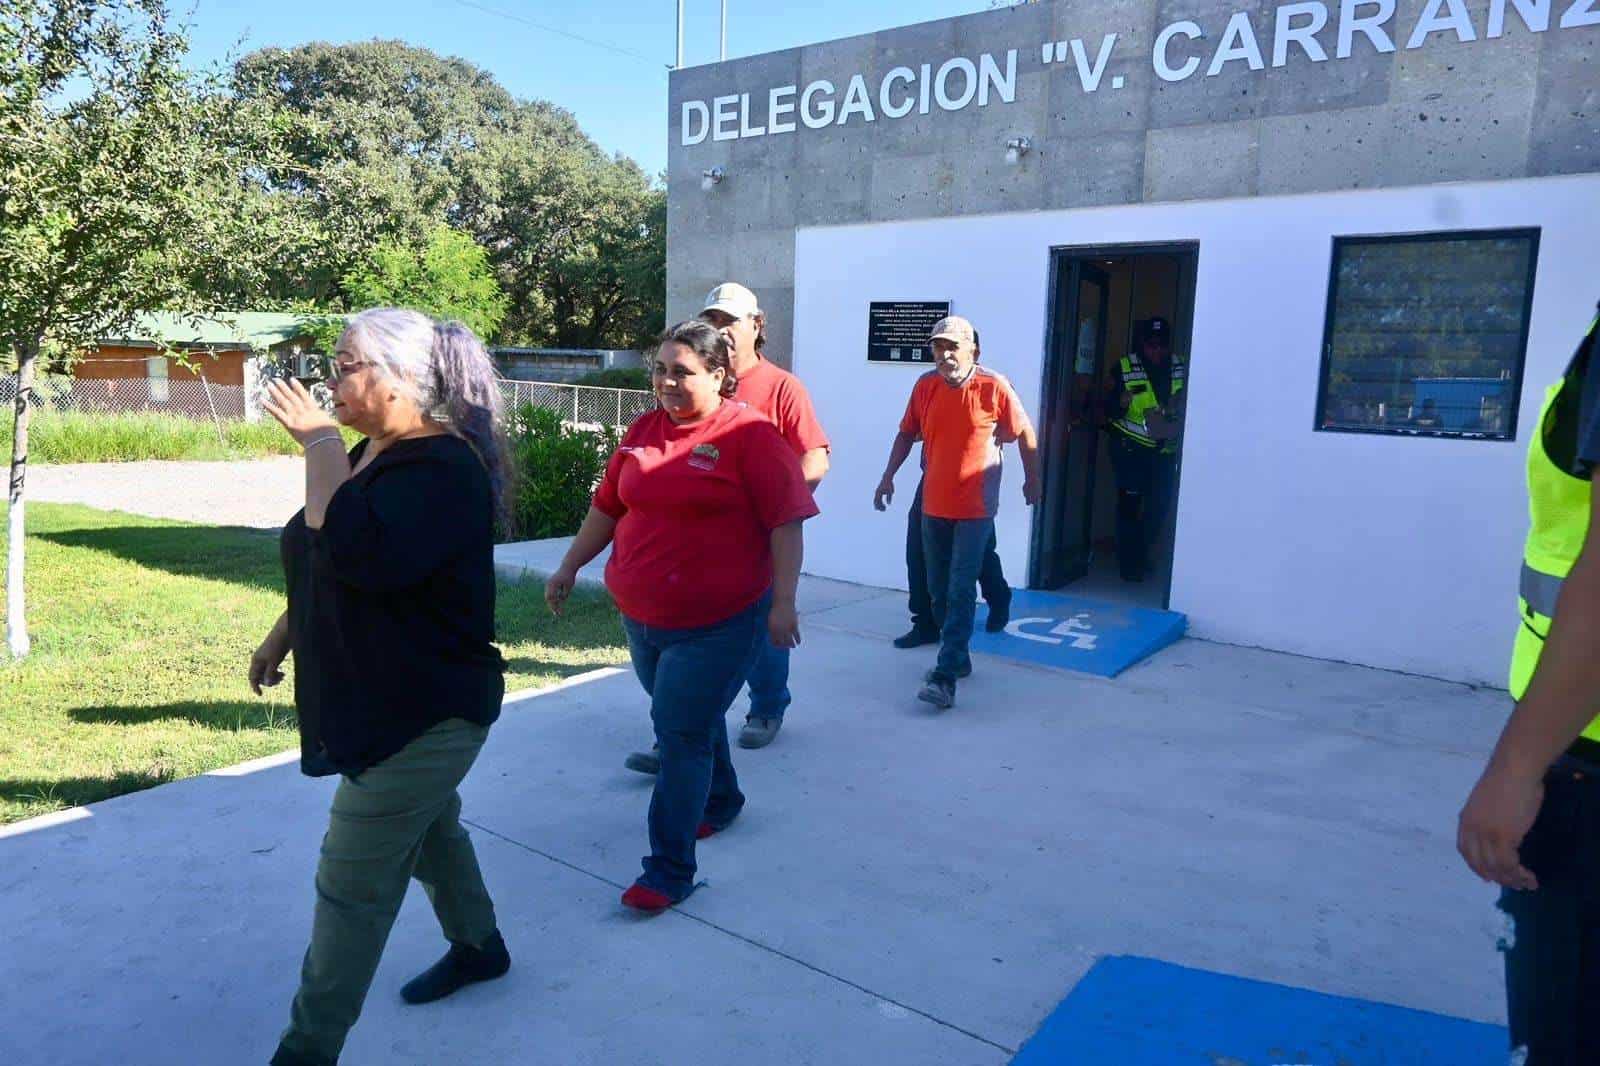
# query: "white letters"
{"type": "Point", "coordinates": [1090, 76]}
{"type": "Point", "coordinates": [890, 110]}
{"type": "Point", "coordinates": [1004, 84]}
{"type": "Point", "coordinates": [775, 108]}
{"type": "Point", "coordinates": [1581, 13]}
{"type": "Point", "coordinates": [817, 120]}
{"type": "Point", "coordinates": [856, 101]}
{"type": "Point", "coordinates": [1164, 70]}
{"type": "Point", "coordinates": [941, 85]}
{"type": "Point", "coordinates": [696, 107]}
{"type": "Point", "coordinates": [723, 117]}
{"type": "Point", "coordinates": [1371, 25]}
{"type": "Point", "coordinates": [1535, 15]}
{"type": "Point", "coordinates": [745, 129]}
{"type": "Point", "coordinates": [926, 86]}
{"type": "Point", "coordinates": [1305, 36]}
{"type": "Point", "coordinates": [1432, 22]}
{"type": "Point", "coordinates": [1238, 42]}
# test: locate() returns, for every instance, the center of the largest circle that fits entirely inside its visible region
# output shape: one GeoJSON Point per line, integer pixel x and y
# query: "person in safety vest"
{"type": "Point", "coordinates": [1532, 823]}
{"type": "Point", "coordinates": [1146, 408]}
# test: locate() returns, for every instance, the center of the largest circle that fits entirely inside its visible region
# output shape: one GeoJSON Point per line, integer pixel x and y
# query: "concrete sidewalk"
{"type": "Point", "coordinates": [904, 887]}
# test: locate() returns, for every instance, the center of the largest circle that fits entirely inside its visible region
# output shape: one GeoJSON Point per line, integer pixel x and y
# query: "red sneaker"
{"type": "Point", "coordinates": [706, 829]}
{"type": "Point", "coordinates": [644, 898]}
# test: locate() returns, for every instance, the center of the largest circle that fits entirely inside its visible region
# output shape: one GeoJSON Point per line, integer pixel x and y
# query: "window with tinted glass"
{"type": "Point", "coordinates": [1426, 333]}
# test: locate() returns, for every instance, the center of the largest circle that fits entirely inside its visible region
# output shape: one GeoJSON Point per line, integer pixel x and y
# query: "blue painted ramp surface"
{"type": "Point", "coordinates": [1078, 634]}
{"type": "Point", "coordinates": [1129, 1011]}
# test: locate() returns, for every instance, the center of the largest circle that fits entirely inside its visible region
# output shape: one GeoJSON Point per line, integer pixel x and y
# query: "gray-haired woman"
{"type": "Point", "coordinates": [390, 571]}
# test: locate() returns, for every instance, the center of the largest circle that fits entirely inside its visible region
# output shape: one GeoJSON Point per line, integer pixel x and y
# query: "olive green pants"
{"type": "Point", "coordinates": [400, 819]}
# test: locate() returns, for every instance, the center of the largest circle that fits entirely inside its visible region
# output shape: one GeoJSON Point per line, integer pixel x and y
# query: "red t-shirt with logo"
{"type": "Point", "coordinates": [778, 394]}
{"type": "Point", "coordinates": [695, 507]}
{"type": "Point", "coordinates": [961, 428]}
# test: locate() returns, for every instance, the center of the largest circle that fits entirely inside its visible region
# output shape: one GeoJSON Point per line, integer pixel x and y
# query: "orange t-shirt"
{"type": "Point", "coordinates": [961, 428]}
{"type": "Point", "coordinates": [778, 394]}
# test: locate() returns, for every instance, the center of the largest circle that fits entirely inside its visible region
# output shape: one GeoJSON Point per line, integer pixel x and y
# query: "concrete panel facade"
{"type": "Point", "coordinates": [1519, 104]}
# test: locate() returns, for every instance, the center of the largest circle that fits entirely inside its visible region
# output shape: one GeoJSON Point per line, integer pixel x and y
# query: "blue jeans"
{"type": "Point", "coordinates": [692, 676]}
{"type": "Point", "coordinates": [769, 680]}
{"type": "Point", "coordinates": [954, 548]}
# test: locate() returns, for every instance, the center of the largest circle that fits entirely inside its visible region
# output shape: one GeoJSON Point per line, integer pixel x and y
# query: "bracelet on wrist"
{"type": "Point", "coordinates": [322, 440]}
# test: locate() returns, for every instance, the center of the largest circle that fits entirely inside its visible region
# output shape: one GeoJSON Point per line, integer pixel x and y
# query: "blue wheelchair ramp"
{"type": "Point", "coordinates": [1130, 1011]}
{"type": "Point", "coordinates": [1072, 633]}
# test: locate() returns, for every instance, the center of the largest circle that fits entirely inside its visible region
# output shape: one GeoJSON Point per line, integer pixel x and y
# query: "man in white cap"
{"type": "Point", "coordinates": [777, 394]}
{"type": "Point", "coordinates": [962, 413]}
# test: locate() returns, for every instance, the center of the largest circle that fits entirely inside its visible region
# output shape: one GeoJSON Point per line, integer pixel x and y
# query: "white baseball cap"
{"type": "Point", "coordinates": [732, 298]}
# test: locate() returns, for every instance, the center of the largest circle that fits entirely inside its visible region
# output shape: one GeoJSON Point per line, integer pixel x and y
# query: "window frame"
{"type": "Point", "coordinates": [1530, 233]}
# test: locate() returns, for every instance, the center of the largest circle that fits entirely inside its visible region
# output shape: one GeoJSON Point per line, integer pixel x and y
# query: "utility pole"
{"type": "Point", "coordinates": [679, 65]}
{"type": "Point", "coordinates": [724, 30]}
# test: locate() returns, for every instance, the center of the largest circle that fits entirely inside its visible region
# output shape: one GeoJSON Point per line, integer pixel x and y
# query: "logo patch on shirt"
{"type": "Point", "coordinates": [704, 457]}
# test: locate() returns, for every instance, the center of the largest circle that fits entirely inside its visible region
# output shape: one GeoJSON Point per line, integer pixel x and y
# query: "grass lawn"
{"type": "Point", "coordinates": [142, 629]}
{"type": "Point", "coordinates": [81, 437]}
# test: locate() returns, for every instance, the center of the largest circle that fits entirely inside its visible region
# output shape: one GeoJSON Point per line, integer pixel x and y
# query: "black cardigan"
{"type": "Point", "coordinates": [391, 606]}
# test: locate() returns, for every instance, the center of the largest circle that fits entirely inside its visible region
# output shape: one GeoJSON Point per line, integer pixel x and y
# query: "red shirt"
{"type": "Point", "coordinates": [778, 394]}
{"type": "Point", "coordinates": [962, 428]}
{"type": "Point", "coordinates": [695, 507]}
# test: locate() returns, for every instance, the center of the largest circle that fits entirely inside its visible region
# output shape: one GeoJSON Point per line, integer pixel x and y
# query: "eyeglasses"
{"type": "Point", "coordinates": [337, 371]}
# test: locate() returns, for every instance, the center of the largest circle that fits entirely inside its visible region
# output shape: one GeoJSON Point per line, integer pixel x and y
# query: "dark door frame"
{"type": "Point", "coordinates": [1061, 347]}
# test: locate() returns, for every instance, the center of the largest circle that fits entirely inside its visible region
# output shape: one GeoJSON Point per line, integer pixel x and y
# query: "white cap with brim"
{"type": "Point", "coordinates": [733, 299]}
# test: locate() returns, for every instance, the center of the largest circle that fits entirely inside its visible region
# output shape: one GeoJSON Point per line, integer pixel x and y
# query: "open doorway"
{"type": "Point", "coordinates": [1106, 525]}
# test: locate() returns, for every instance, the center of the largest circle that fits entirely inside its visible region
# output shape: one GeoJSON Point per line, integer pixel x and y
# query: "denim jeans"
{"type": "Point", "coordinates": [954, 548]}
{"type": "Point", "coordinates": [769, 681]}
{"type": "Point", "coordinates": [1552, 942]}
{"type": "Point", "coordinates": [1144, 497]}
{"type": "Point", "coordinates": [991, 577]}
{"type": "Point", "coordinates": [692, 676]}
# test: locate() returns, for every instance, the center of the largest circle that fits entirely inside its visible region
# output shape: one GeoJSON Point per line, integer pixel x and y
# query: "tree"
{"type": "Point", "coordinates": [119, 176]}
{"type": "Point", "coordinates": [403, 139]}
{"type": "Point", "coordinates": [450, 278]}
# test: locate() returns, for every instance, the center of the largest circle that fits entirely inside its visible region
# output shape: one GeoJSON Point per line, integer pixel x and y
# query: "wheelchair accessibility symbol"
{"type": "Point", "coordinates": [1076, 631]}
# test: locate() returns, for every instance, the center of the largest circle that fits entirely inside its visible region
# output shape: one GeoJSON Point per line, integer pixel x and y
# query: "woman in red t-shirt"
{"type": "Point", "coordinates": [702, 504]}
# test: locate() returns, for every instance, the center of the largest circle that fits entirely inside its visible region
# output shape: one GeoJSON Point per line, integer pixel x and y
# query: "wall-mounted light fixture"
{"type": "Point", "coordinates": [710, 179]}
{"type": "Point", "coordinates": [1016, 148]}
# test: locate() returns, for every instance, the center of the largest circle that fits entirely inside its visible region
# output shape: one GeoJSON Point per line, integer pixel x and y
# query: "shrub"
{"type": "Point", "coordinates": [632, 377]}
{"type": "Point", "coordinates": [557, 467]}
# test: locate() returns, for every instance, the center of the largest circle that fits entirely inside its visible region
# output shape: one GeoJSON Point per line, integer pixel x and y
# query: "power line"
{"type": "Point", "coordinates": [559, 32]}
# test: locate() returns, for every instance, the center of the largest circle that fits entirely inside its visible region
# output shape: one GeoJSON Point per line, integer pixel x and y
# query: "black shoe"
{"type": "Point", "coordinates": [289, 1057]}
{"type": "Point", "coordinates": [644, 762]}
{"type": "Point", "coordinates": [939, 691]}
{"type": "Point", "coordinates": [917, 637]}
{"type": "Point", "coordinates": [461, 966]}
{"type": "Point", "coordinates": [999, 616]}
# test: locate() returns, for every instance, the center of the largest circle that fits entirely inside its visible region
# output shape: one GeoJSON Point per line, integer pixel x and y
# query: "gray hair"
{"type": "Point", "coordinates": [448, 374]}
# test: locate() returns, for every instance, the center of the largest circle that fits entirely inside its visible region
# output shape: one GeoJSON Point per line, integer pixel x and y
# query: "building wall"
{"type": "Point", "coordinates": [1395, 552]}
{"type": "Point", "coordinates": [119, 362]}
{"type": "Point", "coordinates": [1523, 104]}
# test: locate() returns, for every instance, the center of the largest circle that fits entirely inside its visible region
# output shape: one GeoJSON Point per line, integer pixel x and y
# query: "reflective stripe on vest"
{"type": "Point", "coordinates": [1558, 505]}
{"type": "Point", "coordinates": [1144, 401]}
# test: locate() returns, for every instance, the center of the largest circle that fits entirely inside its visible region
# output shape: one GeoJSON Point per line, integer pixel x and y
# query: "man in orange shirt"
{"type": "Point", "coordinates": [961, 412]}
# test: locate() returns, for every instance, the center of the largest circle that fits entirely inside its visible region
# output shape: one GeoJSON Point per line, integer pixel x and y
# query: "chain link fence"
{"type": "Point", "coordinates": [582, 405]}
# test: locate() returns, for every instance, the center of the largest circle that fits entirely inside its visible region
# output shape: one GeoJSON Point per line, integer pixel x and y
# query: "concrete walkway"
{"type": "Point", "coordinates": [904, 887]}
{"type": "Point", "coordinates": [261, 493]}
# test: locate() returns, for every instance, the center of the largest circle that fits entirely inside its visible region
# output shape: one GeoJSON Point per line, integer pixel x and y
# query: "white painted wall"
{"type": "Point", "coordinates": [1394, 552]}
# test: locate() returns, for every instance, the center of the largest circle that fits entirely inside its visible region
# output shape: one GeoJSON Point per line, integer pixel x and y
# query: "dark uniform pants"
{"type": "Point", "coordinates": [1144, 497]}
{"type": "Point", "coordinates": [1552, 942]}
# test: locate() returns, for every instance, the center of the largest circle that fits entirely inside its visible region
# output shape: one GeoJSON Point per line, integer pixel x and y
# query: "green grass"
{"type": "Point", "coordinates": [78, 437]}
{"type": "Point", "coordinates": [142, 629]}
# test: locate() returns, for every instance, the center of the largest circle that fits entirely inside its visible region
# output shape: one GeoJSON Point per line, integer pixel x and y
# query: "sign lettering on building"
{"type": "Point", "coordinates": [1181, 50]}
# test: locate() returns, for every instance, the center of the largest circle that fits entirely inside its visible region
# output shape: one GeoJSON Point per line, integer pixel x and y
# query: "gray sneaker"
{"type": "Point", "coordinates": [759, 732]}
{"type": "Point", "coordinates": [644, 762]}
{"type": "Point", "coordinates": [939, 691]}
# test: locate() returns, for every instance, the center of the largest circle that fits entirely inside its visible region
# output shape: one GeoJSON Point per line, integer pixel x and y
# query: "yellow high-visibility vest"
{"type": "Point", "coordinates": [1558, 503]}
{"type": "Point", "coordinates": [1137, 382]}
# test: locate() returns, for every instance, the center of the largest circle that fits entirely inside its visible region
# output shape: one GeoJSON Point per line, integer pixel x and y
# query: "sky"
{"type": "Point", "coordinates": [614, 79]}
